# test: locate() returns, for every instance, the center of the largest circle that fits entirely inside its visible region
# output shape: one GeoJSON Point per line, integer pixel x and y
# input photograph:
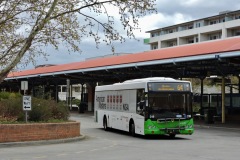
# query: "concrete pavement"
{"type": "Point", "coordinates": [198, 124]}
{"type": "Point", "coordinates": [229, 125]}
{"type": "Point", "coordinates": [41, 142]}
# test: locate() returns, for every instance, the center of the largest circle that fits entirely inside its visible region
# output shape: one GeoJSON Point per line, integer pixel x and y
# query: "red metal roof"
{"type": "Point", "coordinates": [210, 47]}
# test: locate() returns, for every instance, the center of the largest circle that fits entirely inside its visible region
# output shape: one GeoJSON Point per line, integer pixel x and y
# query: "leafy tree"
{"type": "Point", "coordinates": [27, 26]}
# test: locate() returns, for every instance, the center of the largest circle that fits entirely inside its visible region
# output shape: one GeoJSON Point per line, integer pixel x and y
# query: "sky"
{"type": "Point", "coordinates": [170, 12]}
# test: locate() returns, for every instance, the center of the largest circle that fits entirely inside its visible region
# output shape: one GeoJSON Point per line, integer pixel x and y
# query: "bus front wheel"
{"type": "Point", "coordinates": [172, 135]}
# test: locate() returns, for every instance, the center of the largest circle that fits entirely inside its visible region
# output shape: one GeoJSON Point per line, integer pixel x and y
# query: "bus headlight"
{"type": "Point", "coordinates": [151, 127]}
{"type": "Point", "coordinates": [152, 116]}
{"type": "Point", "coordinates": [189, 126]}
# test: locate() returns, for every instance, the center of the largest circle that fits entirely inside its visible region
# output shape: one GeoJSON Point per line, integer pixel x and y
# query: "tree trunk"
{"type": "Point", "coordinates": [2, 76]}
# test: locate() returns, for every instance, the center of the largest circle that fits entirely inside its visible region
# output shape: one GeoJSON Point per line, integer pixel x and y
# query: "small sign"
{"type": "Point", "coordinates": [27, 103]}
{"type": "Point", "coordinates": [179, 87]}
{"type": "Point", "coordinates": [24, 85]}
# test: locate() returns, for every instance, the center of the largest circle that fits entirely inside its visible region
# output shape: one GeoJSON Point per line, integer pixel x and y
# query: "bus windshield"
{"type": "Point", "coordinates": [169, 105]}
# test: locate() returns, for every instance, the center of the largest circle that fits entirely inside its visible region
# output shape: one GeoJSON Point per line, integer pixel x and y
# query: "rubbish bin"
{"type": "Point", "coordinates": [209, 116]}
{"type": "Point", "coordinates": [82, 107]}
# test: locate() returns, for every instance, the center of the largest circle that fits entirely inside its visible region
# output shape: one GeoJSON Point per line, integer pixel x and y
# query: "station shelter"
{"type": "Point", "coordinates": [220, 58]}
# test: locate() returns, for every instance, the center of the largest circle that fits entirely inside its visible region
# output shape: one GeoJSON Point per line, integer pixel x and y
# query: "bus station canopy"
{"type": "Point", "coordinates": [218, 57]}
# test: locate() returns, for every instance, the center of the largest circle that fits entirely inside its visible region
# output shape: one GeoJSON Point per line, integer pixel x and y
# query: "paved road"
{"type": "Point", "coordinates": [205, 144]}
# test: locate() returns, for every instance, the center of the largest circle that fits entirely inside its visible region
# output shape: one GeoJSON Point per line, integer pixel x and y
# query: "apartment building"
{"type": "Point", "coordinates": [224, 25]}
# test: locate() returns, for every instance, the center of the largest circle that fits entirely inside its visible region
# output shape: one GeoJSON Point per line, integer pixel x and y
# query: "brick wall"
{"type": "Point", "coordinates": [38, 131]}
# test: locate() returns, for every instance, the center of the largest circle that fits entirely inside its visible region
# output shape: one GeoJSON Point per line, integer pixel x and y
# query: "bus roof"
{"type": "Point", "coordinates": [136, 83]}
{"type": "Point", "coordinates": [151, 79]}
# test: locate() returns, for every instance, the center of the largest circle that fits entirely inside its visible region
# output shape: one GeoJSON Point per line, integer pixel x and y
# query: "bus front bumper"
{"type": "Point", "coordinates": [164, 131]}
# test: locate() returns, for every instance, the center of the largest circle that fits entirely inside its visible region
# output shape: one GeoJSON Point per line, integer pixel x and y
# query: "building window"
{"type": "Point", "coordinates": [171, 30]}
{"type": "Point", "coordinates": [190, 27]}
{"type": "Point", "coordinates": [64, 89]}
{"type": "Point", "coordinates": [171, 44]}
{"type": "Point", "coordinates": [77, 89]}
{"type": "Point", "coordinates": [196, 39]}
{"type": "Point", "coordinates": [213, 22]}
{"type": "Point", "coordinates": [190, 41]}
{"type": "Point", "coordinates": [155, 34]}
{"type": "Point", "coordinates": [198, 25]}
{"type": "Point", "coordinates": [237, 17]}
{"type": "Point", "coordinates": [155, 46]}
{"type": "Point", "coordinates": [236, 32]}
{"type": "Point", "coordinates": [213, 37]}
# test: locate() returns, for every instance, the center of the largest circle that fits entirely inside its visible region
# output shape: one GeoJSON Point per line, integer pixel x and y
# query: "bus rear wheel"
{"type": "Point", "coordinates": [132, 129]}
{"type": "Point", "coordinates": [105, 124]}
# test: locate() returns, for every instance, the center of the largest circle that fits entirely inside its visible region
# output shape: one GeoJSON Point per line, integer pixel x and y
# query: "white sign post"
{"type": "Point", "coordinates": [27, 105]}
{"type": "Point", "coordinates": [24, 86]}
{"type": "Point", "coordinates": [26, 99]}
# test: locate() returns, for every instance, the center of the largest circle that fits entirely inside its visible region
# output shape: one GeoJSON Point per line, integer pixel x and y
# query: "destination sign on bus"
{"type": "Point", "coordinates": [168, 87]}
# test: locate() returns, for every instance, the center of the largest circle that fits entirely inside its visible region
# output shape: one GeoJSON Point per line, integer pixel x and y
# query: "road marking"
{"type": "Point", "coordinates": [112, 146]}
{"type": "Point", "coordinates": [206, 157]}
{"type": "Point", "coordinates": [79, 152]}
{"type": "Point", "coordinates": [96, 149]}
{"type": "Point", "coordinates": [62, 154]}
{"type": "Point", "coordinates": [40, 157]}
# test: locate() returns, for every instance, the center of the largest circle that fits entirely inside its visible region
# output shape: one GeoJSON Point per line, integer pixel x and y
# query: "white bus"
{"type": "Point", "coordinates": [149, 106]}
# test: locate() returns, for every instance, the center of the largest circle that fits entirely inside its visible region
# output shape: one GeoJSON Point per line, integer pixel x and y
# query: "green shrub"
{"type": "Point", "coordinates": [11, 109]}
{"type": "Point", "coordinates": [196, 107]}
{"type": "Point", "coordinates": [42, 110]}
{"type": "Point", "coordinates": [60, 112]}
{"type": "Point", "coordinates": [4, 95]}
{"type": "Point", "coordinates": [76, 101]}
{"type": "Point", "coordinates": [7, 95]}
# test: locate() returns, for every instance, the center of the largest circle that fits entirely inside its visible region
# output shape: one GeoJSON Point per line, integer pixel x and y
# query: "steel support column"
{"type": "Point", "coordinates": [201, 97]}
{"type": "Point", "coordinates": [82, 92]}
{"type": "Point", "coordinates": [67, 93]}
{"type": "Point", "coordinates": [56, 92]}
{"type": "Point", "coordinates": [223, 99]}
{"type": "Point", "coordinates": [238, 84]}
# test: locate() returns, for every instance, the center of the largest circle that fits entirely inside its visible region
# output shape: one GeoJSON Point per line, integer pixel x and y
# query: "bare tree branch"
{"type": "Point", "coordinates": [27, 27]}
{"type": "Point", "coordinates": [28, 42]}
